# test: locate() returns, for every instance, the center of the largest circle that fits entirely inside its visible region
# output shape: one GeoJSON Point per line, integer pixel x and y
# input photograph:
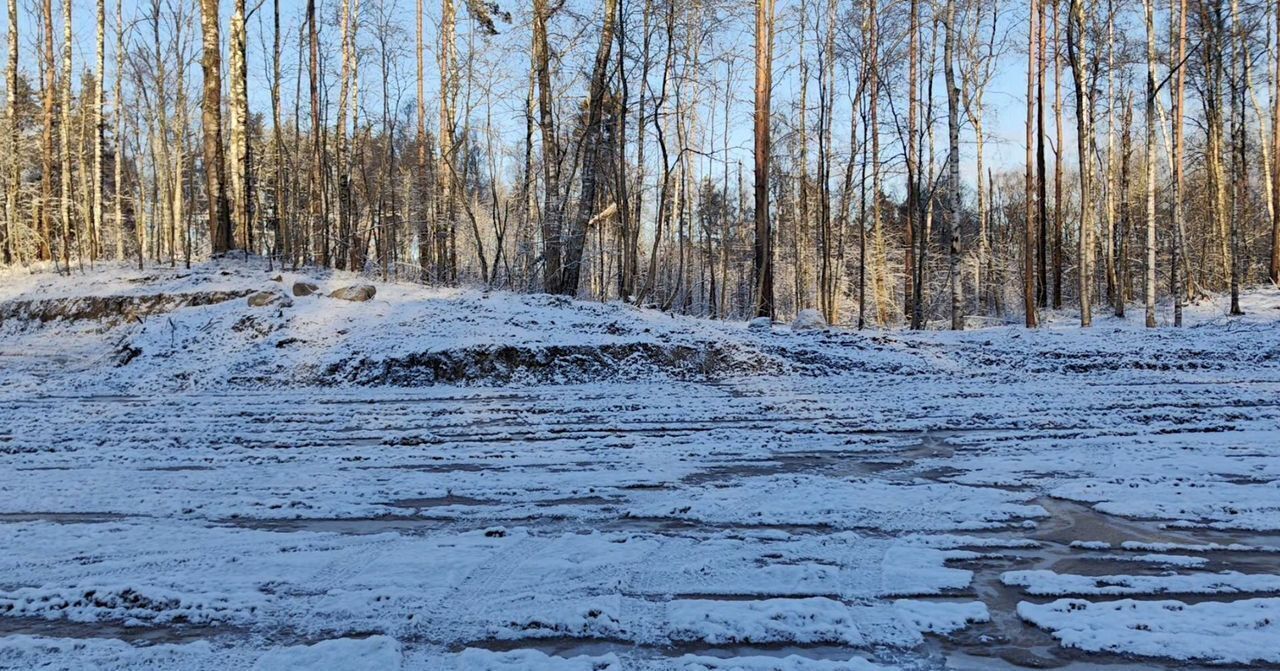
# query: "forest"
{"type": "Point", "coordinates": [640, 335]}
{"type": "Point", "coordinates": [920, 163]}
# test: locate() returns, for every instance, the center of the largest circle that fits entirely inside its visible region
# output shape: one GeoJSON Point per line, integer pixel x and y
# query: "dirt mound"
{"type": "Point", "coordinates": [111, 310]}
{"type": "Point", "coordinates": [565, 364]}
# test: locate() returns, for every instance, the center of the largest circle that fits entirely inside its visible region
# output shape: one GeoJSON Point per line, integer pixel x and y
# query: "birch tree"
{"type": "Point", "coordinates": [211, 119]}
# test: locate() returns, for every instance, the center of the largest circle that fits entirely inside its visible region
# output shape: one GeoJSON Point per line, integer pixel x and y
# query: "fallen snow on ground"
{"type": "Point", "coordinates": [1238, 632]}
{"type": "Point", "coordinates": [460, 479]}
{"type": "Point", "coordinates": [1049, 583]}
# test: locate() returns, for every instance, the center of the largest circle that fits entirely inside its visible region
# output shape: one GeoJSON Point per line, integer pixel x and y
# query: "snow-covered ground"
{"type": "Point", "coordinates": [453, 479]}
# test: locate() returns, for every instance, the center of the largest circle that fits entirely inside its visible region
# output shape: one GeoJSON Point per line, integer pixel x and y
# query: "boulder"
{"type": "Point", "coordinates": [760, 324]}
{"type": "Point", "coordinates": [262, 299]}
{"type": "Point", "coordinates": [356, 292]}
{"type": "Point", "coordinates": [809, 320]}
{"type": "Point", "coordinates": [304, 288]}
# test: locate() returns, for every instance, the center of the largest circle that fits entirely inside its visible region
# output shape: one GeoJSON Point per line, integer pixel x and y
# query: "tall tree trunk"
{"type": "Point", "coordinates": [66, 194]}
{"type": "Point", "coordinates": [1179, 95]}
{"type": "Point", "coordinates": [593, 137]}
{"type": "Point", "coordinates": [425, 238]}
{"type": "Point", "coordinates": [1057, 158]}
{"type": "Point", "coordinates": [763, 263]}
{"type": "Point", "coordinates": [158, 131]}
{"type": "Point", "coordinates": [826, 87]}
{"type": "Point", "coordinates": [15, 175]}
{"type": "Point", "coordinates": [1239, 162]}
{"type": "Point", "coordinates": [1113, 290]}
{"type": "Point", "coordinates": [552, 225]}
{"type": "Point", "coordinates": [281, 246]}
{"type": "Point", "coordinates": [48, 128]}
{"type": "Point", "coordinates": [183, 237]}
{"type": "Point", "coordinates": [1076, 48]}
{"type": "Point", "coordinates": [879, 272]}
{"type": "Point", "coordinates": [953, 168]}
{"type": "Point", "coordinates": [1149, 247]}
{"type": "Point", "coordinates": [913, 168]}
{"type": "Point", "coordinates": [1213, 55]}
{"type": "Point", "coordinates": [319, 190]}
{"type": "Point", "coordinates": [211, 118]}
{"type": "Point", "coordinates": [1029, 232]}
{"type": "Point", "coordinates": [1275, 153]}
{"type": "Point", "coordinates": [99, 129]}
{"type": "Point", "coordinates": [240, 196]}
{"type": "Point", "coordinates": [447, 165]}
{"type": "Point", "coordinates": [800, 234]}
{"type": "Point", "coordinates": [117, 100]}
{"type": "Point", "coordinates": [1042, 205]}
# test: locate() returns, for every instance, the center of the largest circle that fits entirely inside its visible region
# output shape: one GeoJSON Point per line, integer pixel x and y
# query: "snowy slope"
{"type": "Point", "coordinates": [454, 479]}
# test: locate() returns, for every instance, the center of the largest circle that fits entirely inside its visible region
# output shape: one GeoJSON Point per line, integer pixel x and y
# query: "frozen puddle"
{"type": "Point", "coordinates": [1128, 594]}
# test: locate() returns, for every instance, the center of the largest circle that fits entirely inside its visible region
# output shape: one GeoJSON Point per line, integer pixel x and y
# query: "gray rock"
{"type": "Point", "coordinates": [262, 299]}
{"type": "Point", "coordinates": [356, 292]}
{"type": "Point", "coordinates": [809, 320]}
{"type": "Point", "coordinates": [304, 288]}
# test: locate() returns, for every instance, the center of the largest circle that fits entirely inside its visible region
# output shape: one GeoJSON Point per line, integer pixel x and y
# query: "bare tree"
{"type": "Point", "coordinates": [953, 168]}
{"type": "Point", "coordinates": [551, 212]}
{"type": "Point", "coordinates": [1029, 233]}
{"type": "Point", "coordinates": [1179, 93]}
{"type": "Point", "coordinates": [1149, 247]}
{"type": "Point", "coordinates": [15, 174]}
{"type": "Point", "coordinates": [118, 115]}
{"type": "Point", "coordinates": [99, 127]}
{"type": "Point", "coordinates": [592, 139]}
{"type": "Point", "coordinates": [447, 55]}
{"type": "Point", "coordinates": [48, 129]}
{"type": "Point", "coordinates": [1076, 49]}
{"type": "Point", "coordinates": [241, 198]}
{"type": "Point", "coordinates": [763, 264]}
{"type": "Point", "coordinates": [66, 195]}
{"type": "Point", "coordinates": [1275, 148]}
{"type": "Point", "coordinates": [913, 168]}
{"type": "Point", "coordinates": [211, 118]}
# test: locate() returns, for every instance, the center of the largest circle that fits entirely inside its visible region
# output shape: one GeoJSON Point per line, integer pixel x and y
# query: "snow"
{"type": "Point", "coordinates": [1044, 582]}
{"type": "Point", "coordinates": [761, 663]}
{"type": "Point", "coordinates": [1237, 632]}
{"type": "Point", "coordinates": [462, 479]}
{"type": "Point", "coordinates": [809, 320]}
{"type": "Point", "coordinates": [941, 617]}
{"type": "Point", "coordinates": [533, 660]}
{"type": "Point", "coordinates": [341, 654]}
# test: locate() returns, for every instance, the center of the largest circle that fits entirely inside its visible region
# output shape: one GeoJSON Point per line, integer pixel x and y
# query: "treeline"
{"type": "Point", "coordinates": [601, 149]}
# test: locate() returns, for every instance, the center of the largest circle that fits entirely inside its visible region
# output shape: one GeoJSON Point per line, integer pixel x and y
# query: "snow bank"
{"type": "Point", "coordinates": [475, 659]}
{"type": "Point", "coordinates": [1049, 583]}
{"type": "Point", "coordinates": [341, 654]}
{"type": "Point", "coordinates": [762, 663]}
{"type": "Point", "coordinates": [1236, 632]}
